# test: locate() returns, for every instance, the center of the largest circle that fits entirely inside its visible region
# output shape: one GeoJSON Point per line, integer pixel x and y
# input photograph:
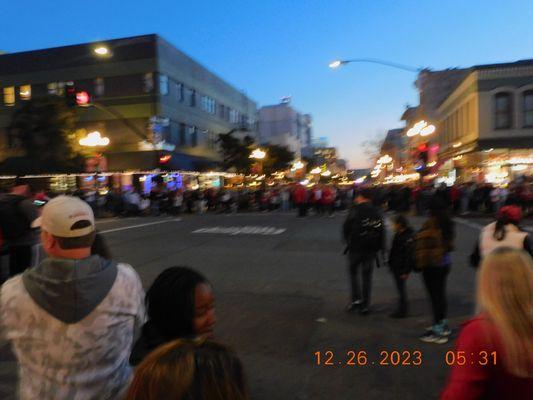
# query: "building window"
{"type": "Point", "coordinates": [99, 87]}
{"type": "Point", "coordinates": [528, 109]}
{"type": "Point", "coordinates": [183, 135]}
{"type": "Point", "coordinates": [25, 92]}
{"type": "Point", "coordinates": [163, 85]}
{"type": "Point", "coordinates": [52, 88]}
{"type": "Point", "coordinates": [9, 96]}
{"type": "Point", "coordinates": [193, 132]}
{"type": "Point", "coordinates": [148, 82]}
{"type": "Point", "coordinates": [179, 92]}
{"type": "Point", "coordinates": [233, 116]}
{"type": "Point", "coordinates": [503, 111]}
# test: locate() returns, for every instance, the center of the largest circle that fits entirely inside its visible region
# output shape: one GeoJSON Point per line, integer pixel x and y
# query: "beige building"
{"type": "Point", "coordinates": [485, 127]}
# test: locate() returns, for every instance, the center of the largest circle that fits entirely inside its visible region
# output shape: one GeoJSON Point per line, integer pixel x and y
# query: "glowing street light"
{"type": "Point", "coordinates": [316, 170]}
{"type": "Point", "coordinates": [326, 173]}
{"type": "Point", "coordinates": [94, 139]}
{"type": "Point", "coordinates": [335, 64]}
{"type": "Point", "coordinates": [421, 128]}
{"type": "Point", "coordinates": [101, 51]}
{"type": "Point", "coordinates": [258, 154]}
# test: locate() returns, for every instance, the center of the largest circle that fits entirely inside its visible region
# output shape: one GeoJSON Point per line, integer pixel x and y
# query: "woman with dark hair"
{"type": "Point", "coordinates": [190, 370]}
{"type": "Point", "coordinates": [433, 245]}
{"type": "Point", "coordinates": [401, 260]}
{"type": "Point", "coordinates": [180, 304]}
{"type": "Point", "coordinates": [504, 232]}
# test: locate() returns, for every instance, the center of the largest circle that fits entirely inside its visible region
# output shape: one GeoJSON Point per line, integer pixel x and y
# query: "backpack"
{"type": "Point", "coordinates": [13, 222]}
{"type": "Point", "coordinates": [368, 232]}
{"type": "Point", "coordinates": [429, 246]}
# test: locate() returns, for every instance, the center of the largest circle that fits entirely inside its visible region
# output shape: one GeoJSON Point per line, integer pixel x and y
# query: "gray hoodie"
{"type": "Point", "coordinates": [69, 290]}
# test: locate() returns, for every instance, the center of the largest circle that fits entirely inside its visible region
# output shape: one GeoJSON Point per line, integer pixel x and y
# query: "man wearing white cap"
{"type": "Point", "coordinates": [71, 319]}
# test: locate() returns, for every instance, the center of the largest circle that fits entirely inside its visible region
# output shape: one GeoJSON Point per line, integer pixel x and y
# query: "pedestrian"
{"type": "Point", "coordinates": [401, 261]}
{"type": "Point", "coordinates": [187, 370]}
{"type": "Point", "coordinates": [180, 304]}
{"type": "Point", "coordinates": [300, 199]}
{"type": "Point", "coordinates": [364, 235]}
{"type": "Point", "coordinates": [285, 196]}
{"type": "Point", "coordinates": [504, 232]}
{"type": "Point", "coordinates": [494, 351]}
{"type": "Point", "coordinates": [17, 212]}
{"type": "Point", "coordinates": [71, 319]}
{"type": "Point", "coordinates": [328, 200]}
{"type": "Point", "coordinates": [433, 245]}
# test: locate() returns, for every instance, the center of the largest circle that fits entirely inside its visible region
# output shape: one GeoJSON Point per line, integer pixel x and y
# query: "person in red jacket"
{"type": "Point", "coordinates": [493, 359]}
{"type": "Point", "coordinates": [328, 199]}
{"type": "Point", "coordinates": [300, 199]}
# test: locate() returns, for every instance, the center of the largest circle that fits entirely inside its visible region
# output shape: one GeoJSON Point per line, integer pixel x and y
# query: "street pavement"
{"type": "Point", "coordinates": [281, 287]}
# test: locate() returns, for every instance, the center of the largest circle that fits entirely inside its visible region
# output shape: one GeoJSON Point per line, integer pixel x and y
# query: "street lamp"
{"type": "Point", "coordinates": [94, 139]}
{"type": "Point", "coordinates": [258, 154]}
{"type": "Point", "coordinates": [421, 128]}
{"type": "Point", "coordinates": [338, 63]}
{"type": "Point", "coordinates": [101, 51]}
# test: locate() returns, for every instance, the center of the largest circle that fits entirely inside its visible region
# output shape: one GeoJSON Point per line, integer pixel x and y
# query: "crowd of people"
{"type": "Point", "coordinates": [72, 317]}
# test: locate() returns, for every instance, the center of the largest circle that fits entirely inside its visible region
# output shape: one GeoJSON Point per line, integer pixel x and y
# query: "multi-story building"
{"type": "Point", "coordinates": [282, 125]}
{"type": "Point", "coordinates": [148, 97]}
{"type": "Point", "coordinates": [486, 128]}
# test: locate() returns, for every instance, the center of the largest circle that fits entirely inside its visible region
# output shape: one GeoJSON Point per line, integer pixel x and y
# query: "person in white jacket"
{"type": "Point", "coordinates": [504, 232]}
{"type": "Point", "coordinates": [71, 319]}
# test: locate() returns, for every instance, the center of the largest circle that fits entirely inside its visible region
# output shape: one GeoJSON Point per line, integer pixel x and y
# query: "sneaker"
{"type": "Point", "coordinates": [364, 311]}
{"type": "Point", "coordinates": [431, 337]}
{"type": "Point", "coordinates": [353, 305]}
{"type": "Point", "coordinates": [445, 332]}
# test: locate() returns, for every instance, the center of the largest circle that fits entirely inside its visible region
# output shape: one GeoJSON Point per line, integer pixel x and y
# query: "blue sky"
{"type": "Point", "coordinates": [276, 48]}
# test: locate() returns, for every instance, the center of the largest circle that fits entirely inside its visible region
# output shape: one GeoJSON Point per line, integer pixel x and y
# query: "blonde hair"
{"type": "Point", "coordinates": [188, 370]}
{"type": "Point", "coordinates": [505, 293]}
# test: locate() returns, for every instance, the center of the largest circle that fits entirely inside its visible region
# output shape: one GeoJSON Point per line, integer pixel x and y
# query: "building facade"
{"type": "Point", "coordinates": [486, 124]}
{"type": "Point", "coordinates": [148, 98]}
{"type": "Point", "coordinates": [282, 125]}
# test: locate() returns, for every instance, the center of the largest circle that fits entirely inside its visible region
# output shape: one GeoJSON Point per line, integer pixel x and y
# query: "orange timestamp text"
{"type": "Point", "coordinates": [361, 358]}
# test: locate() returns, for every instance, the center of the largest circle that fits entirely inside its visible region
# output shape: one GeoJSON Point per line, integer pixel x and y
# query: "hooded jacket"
{"type": "Point", "coordinates": [71, 324]}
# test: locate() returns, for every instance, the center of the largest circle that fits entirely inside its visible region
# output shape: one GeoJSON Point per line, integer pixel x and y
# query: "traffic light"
{"type": "Point", "coordinates": [76, 97]}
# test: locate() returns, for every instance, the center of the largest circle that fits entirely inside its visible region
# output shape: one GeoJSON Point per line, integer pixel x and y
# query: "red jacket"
{"type": "Point", "coordinates": [300, 195]}
{"type": "Point", "coordinates": [328, 196]}
{"type": "Point", "coordinates": [490, 382]}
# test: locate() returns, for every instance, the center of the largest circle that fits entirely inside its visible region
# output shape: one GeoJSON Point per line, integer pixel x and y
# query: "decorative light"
{"type": "Point", "coordinates": [489, 150]}
{"type": "Point", "coordinates": [431, 164]}
{"type": "Point", "coordinates": [386, 159]}
{"type": "Point", "coordinates": [326, 173]}
{"type": "Point", "coordinates": [421, 128]}
{"type": "Point", "coordinates": [519, 167]}
{"type": "Point", "coordinates": [360, 180]}
{"type": "Point", "coordinates": [316, 170]}
{"type": "Point", "coordinates": [298, 165]}
{"type": "Point", "coordinates": [94, 139]}
{"type": "Point", "coordinates": [456, 145]}
{"type": "Point", "coordinates": [459, 157]}
{"type": "Point", "coordinates": [304, 182]}
{"type": "Point", "coordinates": [258, 154]}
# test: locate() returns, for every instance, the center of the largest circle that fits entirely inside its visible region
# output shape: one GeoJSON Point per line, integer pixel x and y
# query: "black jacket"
{"type": "Point", "coordinates": [355, 223]}
{"type": "Point", "coordinates": [402, 253]}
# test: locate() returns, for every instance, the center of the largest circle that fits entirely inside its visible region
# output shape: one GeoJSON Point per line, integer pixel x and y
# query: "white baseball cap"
{"type": "Point", "coordinates": [62, 213]}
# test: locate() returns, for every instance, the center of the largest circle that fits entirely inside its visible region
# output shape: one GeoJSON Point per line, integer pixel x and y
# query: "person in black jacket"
{"type": "Point", "coordinates": [364, 235]}
{"type": "Point", "coordinates": [180, 305]}
{"type": "Point", "coordinates": [401, 261]}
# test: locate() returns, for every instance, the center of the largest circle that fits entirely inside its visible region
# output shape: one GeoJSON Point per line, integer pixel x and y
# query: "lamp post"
{"type": "Point", "coordinates": [94, 140]}
{"type": "Point", "coordinates": [339, 63]}
{"type": "Point", "coordinates": [259, 156]}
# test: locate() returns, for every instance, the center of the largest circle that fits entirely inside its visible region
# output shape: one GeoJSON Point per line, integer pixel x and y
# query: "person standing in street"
{"type": "Point", "coordinates": [300, 199]}
{"type": "Point", "coordinates": [71, 319]}
{"type": "Point", "coordinates": [17, 212]}
{"type": "Point", "coordinates": [364, 235]}
{"type": "Point", "coordinates": [401, 261]}
{"type": "Point", "coordinates": [433, 245]}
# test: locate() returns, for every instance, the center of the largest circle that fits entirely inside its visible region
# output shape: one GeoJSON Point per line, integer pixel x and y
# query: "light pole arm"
{"type": "Point", "coordinates": [382, 62]}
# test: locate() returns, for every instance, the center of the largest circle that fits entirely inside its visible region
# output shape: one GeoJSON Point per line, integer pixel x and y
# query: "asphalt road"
{"type": "Point", "coordinates": [281, 287]}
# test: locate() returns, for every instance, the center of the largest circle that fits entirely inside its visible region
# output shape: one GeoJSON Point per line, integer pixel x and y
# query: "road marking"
{"type": "Point", "coordinates": [125, 228]}
{"type": "Point", "coordinates": [242, 230]}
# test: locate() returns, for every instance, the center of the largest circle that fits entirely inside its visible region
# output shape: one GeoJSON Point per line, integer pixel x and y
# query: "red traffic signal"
{"type": "Point", "coordinates": [83, 98]}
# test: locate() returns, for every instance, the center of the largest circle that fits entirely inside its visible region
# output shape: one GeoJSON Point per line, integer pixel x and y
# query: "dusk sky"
{"type": "Point", "coordinates": [276, 48]}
